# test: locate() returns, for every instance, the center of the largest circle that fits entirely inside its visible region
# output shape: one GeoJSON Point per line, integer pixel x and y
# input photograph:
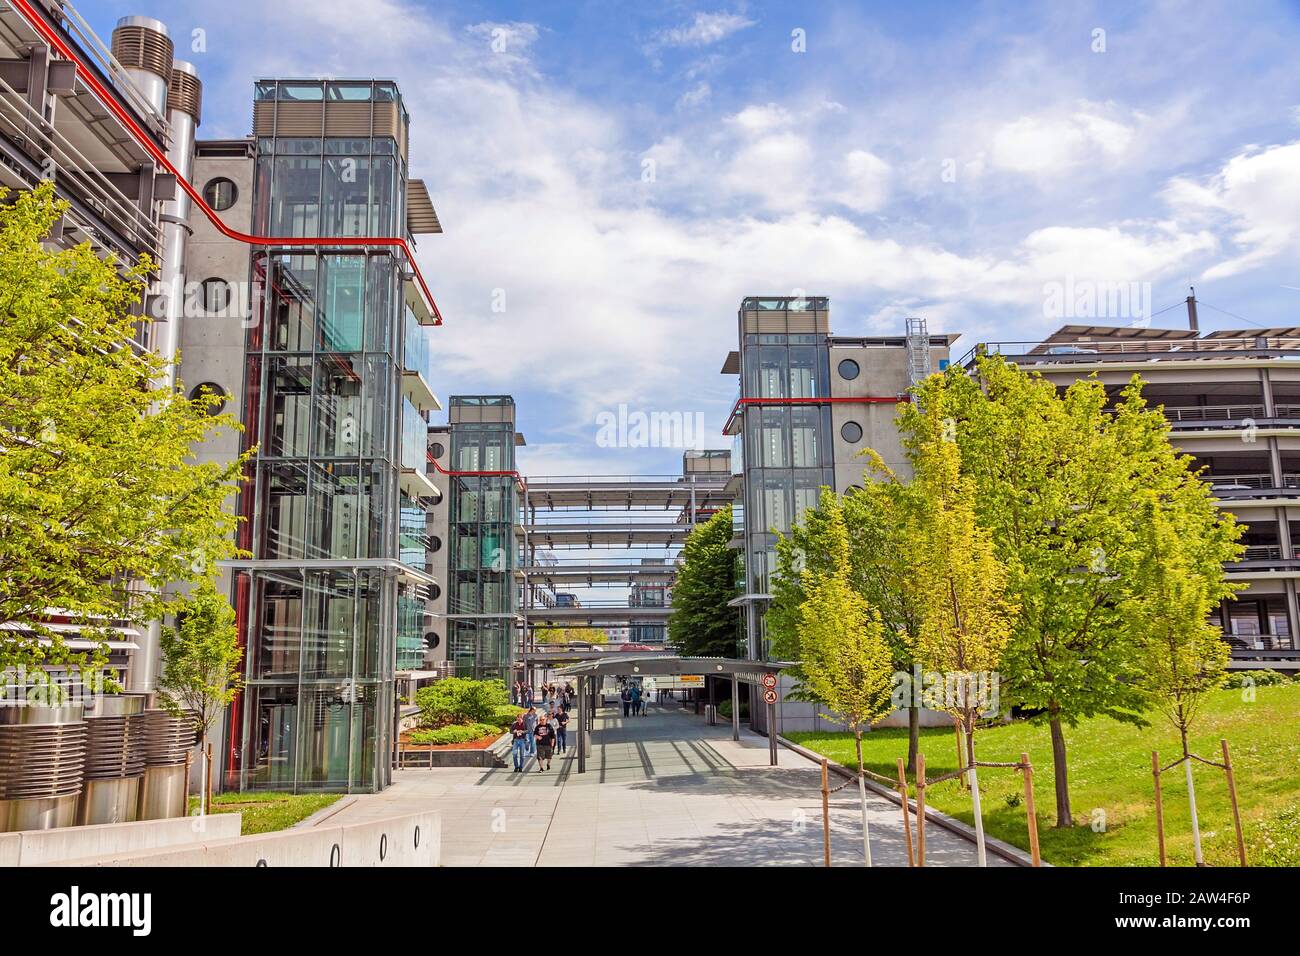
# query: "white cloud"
{"type": "Point", "coordinates": [1256, 197]}
{"type": "Point", "coordinates": [1052, 143]}
{"type": "Point", "coordinates": [704, 29]}
{"type": "Point", "coordinates": [694, 97]}
{"type": "Point", "coordinates": [865, 185]}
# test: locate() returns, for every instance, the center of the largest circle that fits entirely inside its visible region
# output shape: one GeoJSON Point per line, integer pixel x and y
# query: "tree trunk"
{"type": "Point", "coordinates": [913, 735]}
{"type": "Point", "coordinates": [980, 857]}
{"type": "Point", "coordinates": [1191, 804]}
{"type": "Point", "coordinates": [862, 797]}
{"type": "Point", "coordinates": [1064, 818]}
{"type": "Point", "coordinates": [203, 779]}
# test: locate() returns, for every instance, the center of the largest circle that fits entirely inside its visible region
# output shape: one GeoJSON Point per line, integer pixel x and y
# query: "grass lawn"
{"type": "Point", "coordinates": [1111, 789]}
{"type": "Point", "coordinates": [267, 811]}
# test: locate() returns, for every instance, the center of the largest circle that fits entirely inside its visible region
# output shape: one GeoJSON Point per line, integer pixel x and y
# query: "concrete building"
{"type": "Point", "coordinates": [808, 402]}
{"type": "Point", "coordinates": [1232, 398]}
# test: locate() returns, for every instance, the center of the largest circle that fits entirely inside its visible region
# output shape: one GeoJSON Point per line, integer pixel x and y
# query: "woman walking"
{"type": "Point", "coordinates": [545, 735]}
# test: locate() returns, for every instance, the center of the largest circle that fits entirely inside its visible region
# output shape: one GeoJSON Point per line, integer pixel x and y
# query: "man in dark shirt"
{"type": "Point", "coordinates": [545, 735]}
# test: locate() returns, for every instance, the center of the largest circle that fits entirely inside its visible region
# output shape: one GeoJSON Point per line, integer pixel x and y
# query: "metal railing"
{"type": "Point", "coordinates": [1230, 414]}
{"type": "Point", "coordinates": [1255, 482]}
{"type": "Point", "coordinates": [1261, 642]}
{"type": "Point", "coordinates": [1101, 349]}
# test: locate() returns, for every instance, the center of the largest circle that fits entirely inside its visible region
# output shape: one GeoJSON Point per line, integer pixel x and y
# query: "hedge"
{"type": "Point", "coordinates": [454, 734]}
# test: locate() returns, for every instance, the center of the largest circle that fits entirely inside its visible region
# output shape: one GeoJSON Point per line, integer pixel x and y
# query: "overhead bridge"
{"type": "Point", "coordinates": [650, 495]}
{"type": "Point", "coordinates": [598, 615]}
{"type": "Point", "coordinates": [614, 534]}
{"type": "Point", "coordinates": [600, 573]}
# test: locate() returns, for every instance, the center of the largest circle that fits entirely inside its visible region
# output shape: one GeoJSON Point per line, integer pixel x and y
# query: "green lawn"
{"type": "Point", "coordinates": [1111, 791]}
{"type": "Point", "coordinates": [267, 811]}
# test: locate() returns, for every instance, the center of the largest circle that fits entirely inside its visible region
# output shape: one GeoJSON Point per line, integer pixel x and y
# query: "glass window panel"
{"type": "Point", "coordinates": [772, 372]}
{"type": "Point", "coordinates": [300, 92]}
{"type": "Point", "coordinates": [803, 437]}
{"type": "Point", "coordinates": [342, 300]}
{"type": "Point", "coordinates": [337, 406]}
{"type": "Point", "coordinates": [288, 407]}
{"type": "Point", "coordinates": [803, 372]}
{"type": "Point", "coordinates": [333, 518]}
{"type": "Point", "coordinates": [382, 302]}
{"type": "Point", "coordinates": [284, 517]}
{"type": "Point", "coordinates": [278, 642]}
{"type": "Point", "coordinates": [373, 511]}
{"type": "Point", "coordinates": [327, 625]}
{"type": "Point", "coordinates": [380, 388]}
{"type": "Point", "coordinates": [326, 736]}
{"type": "Point", "coordinates": [384, 198]}
{"type": "Point", "coordinates": [271, 756]}
{"type": "Point", "coordinates": [773, 451]}
{"type": "Point", "coordinates": [295, 196]}
{"type": "Point", "coordinates": [292, 303]}
{"type": "Point", "coordinates": [346, 196]}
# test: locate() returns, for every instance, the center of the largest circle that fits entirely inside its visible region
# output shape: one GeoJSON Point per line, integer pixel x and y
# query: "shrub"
{"type": "Point", "coordinates": [459, 700]}
{"type": "Point", "coordinates": [454, 734]}
{"type": "Point", "coordinates": [505, 716]}
{"type": "Point", "coordinates": [1261, 678]}
{"type": "Point", "coordinates": [724, 708]}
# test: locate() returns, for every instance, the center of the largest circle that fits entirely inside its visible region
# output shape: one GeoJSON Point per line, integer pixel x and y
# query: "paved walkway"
{"type": "Point", "coordinates": [663, 789]}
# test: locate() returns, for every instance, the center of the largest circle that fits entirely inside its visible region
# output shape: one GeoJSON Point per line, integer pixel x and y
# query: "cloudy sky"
{"type": "Point", "coordinates": [620, 175]}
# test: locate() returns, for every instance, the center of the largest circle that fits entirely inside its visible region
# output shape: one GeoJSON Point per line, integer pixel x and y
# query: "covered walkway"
{"type": "Point", "coordinates": [664, 789]}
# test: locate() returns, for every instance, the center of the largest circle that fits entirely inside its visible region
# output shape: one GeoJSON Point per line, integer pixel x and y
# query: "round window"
{"type": "Point", "coordinates": [849, 370]}
{"type": "Point", "coordinates": [432, 640]}
{"type": "Point", "coordinates": [435, 543]}
{"type": "Point", "coordinates": [210, 388]}
{"type": "Point", "coordinates": [437, 450]}
{"type": "Point", "coordinates": [220, 193]}
{"type": "Point", "coordinates": [851, 432]}
{"type": "Point", "coordinates": [435, 592]}
{"type": "Point", "coordinates": [216, 296]}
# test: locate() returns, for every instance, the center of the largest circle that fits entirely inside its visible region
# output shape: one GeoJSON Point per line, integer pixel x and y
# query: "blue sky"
{"type": "Point", "coordinates": [946, 160]}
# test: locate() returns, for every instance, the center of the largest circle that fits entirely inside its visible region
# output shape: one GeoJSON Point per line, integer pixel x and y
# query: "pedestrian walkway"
{"type": "Point", "coordinates": [664, 789]}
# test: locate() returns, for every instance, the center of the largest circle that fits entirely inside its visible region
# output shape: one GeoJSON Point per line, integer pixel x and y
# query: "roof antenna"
{"type": "Point", "coordinates": [1192, 321]}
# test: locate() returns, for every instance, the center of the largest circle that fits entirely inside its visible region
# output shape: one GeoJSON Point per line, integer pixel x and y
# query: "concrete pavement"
{"type": "Point", "coordinates": [663, 789]}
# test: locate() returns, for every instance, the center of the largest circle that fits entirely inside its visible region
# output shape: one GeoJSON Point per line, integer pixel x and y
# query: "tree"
{"type": "Point", "coordinates": [103, 502]}
{"type": "Point", "coordinates": [846, 663]}
{"type": "Point", "coordinates": [1056, 476]}
{"type": "Point", "coordinates": [881, 521]}
{"type": "Point", "coordinates": [460, 700]}
{"type": "Point", "coordinates": [965, 618]}
{"type": "Point", "coordinates": [1183, 583]}
{"type": "Point", "coordinates": [568, 635]}
{"type": "Point", "coordinates": [702, 625]}
{"type": "Point", "coordinates": [200, 663]}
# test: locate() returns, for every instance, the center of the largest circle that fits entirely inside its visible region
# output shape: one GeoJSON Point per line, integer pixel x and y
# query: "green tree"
{"type": "Point", "coordinates": [104, 504]}
{"type": "Point", "coordinates": [1183, 583]}
{"type": "Point", "coordinates": [200, 662]}
{"type": "Point", "coordinates": [965, 617]}
{"type": "Point", "coordinates": [566, 635]}
{"type": "Point", "coordinates": [846, 664]}
{"type": "Point", "coordinates": [1056, 476]}
{"type": "Point", "coordinates": [702, 625]}
{"type": "Point", "coordinates": [460, 700]}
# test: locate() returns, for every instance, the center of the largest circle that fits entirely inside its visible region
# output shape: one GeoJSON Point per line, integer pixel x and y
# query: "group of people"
{"type": "Point", "coordinates": [540, 733]}
{"type": "Point", "coordinates": [633, 698]}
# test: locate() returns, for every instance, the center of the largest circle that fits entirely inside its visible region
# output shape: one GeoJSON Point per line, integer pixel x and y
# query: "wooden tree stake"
{"type": "Point", "coordinates": [1030, 815]}
{"type": "Point", "coordinates": [1232, 794]}
{"type": "Point", "coordinates": [920, 809]}
{"type": "Point", "coordinates": [907, 826]}
{"type": "Point", "coordinates": [826, 813]}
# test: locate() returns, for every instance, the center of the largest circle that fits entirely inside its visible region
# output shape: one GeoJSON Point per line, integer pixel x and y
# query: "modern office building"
{"type": "Point", "coordinates": [1232, 398]}
{"type": "Point", "coordinates": [321, 344]}
{"type": "Point", "coordinates": [474, 618]}
{"type": "Point", "coordinates": [808, 403]}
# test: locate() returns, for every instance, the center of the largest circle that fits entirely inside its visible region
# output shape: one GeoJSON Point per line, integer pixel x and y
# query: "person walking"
{"type": "Point", "coordinates": [626, 697]}
{"type": "Point", "coordinates": [562, 731]}
{"type": "Point", "coordinates": [636, 700]}
{"type": "Point", "coordinates": [519, 743]}
{"type": "Point", "coordinates": [530, 724]}
{"type": "Point", "coordinates": [545, 736]}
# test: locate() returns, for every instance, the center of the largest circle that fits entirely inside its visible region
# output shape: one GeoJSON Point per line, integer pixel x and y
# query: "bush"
{"type": "Point", "coordinates": [459, 700]}
{"type": "Point", "coordinates": [724, 708]}
{"type": "Point", "coordinates": [505, 716]}
{"type": "Point", "coordinates": [454, 734]}
{"type": "Point", "coordinates": [1264, 678]}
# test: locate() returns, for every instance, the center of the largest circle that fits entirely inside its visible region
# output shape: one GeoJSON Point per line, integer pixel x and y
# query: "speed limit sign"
{"type": "Point", "coordinates": [769, 681]}
{"type": "Point", "coordinates": [769, 697]}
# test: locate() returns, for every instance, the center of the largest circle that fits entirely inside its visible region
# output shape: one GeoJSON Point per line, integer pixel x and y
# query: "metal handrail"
{"type": "Point", "coordinates": [1082, 350]}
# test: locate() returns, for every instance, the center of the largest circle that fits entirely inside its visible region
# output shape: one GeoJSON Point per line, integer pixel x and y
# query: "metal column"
{"type": "Point", "coordinates": [771, 733]}
{"type": "Point", "coordinates": [735, 707]}
{"type": "Point", "coordinates": [582, 725]}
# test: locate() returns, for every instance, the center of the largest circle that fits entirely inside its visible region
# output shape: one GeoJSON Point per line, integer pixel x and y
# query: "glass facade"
{"type": "Point", "coordinates": [482, 601]}
{"type": "Point", "coordinates": [328, 616]}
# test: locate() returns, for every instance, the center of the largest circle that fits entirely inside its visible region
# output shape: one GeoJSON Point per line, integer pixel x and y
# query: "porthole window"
{"type": "Point", "coordinates": [437, 450]}
{"type": "Point", "coordinates": [220, 193]}
{"type": "Point", "coordinates": [851, 432]}
{"type": "Point", "coordinates": [210, 388]}
{"type": "Point", "coordinates": [435, 543]}
{"type": "Point", "coordinates": [435, 592]}
{"type": "Point", "coordinates": [432, 640]}
{"type": "Point", "coordinates": [849, 370]}
{"type": "Point", "coordinates": [216, 296]}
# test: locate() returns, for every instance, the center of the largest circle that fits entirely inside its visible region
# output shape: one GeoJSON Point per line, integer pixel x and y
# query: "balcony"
{"type": "Point", "coordinates": [417, 366]}
{"type": "Point", "coordinates": [1252, 486]}
{"type": "Point", "coordinates": [1262, 645]}
{"type": "Point", "coordinates": [1228, 416]}
{"type": "Point", "coordinates": [1129, 350]}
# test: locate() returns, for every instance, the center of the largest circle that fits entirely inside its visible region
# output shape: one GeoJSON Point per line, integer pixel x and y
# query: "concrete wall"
{"type": "Point", "coordinates": [413, 840]}
{"type": "Point", "coordinates": [37, 847]}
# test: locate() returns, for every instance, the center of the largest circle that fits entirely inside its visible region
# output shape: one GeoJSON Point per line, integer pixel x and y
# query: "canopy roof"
{"type": "Point", "coordinates": [664, 664]}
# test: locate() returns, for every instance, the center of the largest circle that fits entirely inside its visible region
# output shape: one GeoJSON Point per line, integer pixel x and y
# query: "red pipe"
{"type": "Point", "coordinates": [37, 22]}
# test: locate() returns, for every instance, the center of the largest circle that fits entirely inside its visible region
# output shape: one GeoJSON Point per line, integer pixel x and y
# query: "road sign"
{"type": "Point", "coordinates": [769, 696]}
{"type": "Point", "coordinates": [769, 681]}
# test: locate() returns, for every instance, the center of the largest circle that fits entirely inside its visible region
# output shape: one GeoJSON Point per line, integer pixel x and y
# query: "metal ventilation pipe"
{"type": "Point", "coordinates": [144, 49]}
{"type": "Point", "coordinates": [184, 100]}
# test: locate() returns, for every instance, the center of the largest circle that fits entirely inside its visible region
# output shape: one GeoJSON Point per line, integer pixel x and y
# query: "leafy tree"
{"type": "Point", "coordinates": [702, 625]}
{"type": "Point", "coordinates": [1183, 583]}
{"type": "Point", "coordinates": [200, 662]}
{"type": "Point", "coordinates": [460, 700]}
{"type": "Point", "coordinates": [965, 617]}
{"type": "Point", "coordinates": [104, 504]}
{"type": "Point", "coordinates": [567, 635]}
{"type": "Point", "coordinates": [881, 521]}
{"type": "Point", "coordinates": [846, 662]}
{"type": "Point", "coordinates": [1056, 477]}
